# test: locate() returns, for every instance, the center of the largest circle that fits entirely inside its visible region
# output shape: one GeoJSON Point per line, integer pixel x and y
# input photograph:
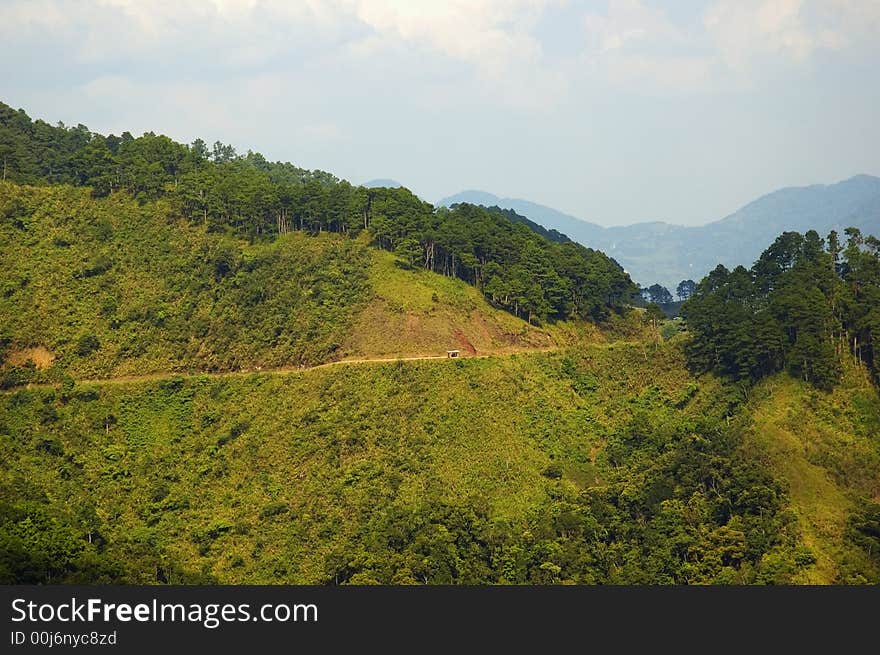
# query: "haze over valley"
{"type": "Point", "coordinates": [668, 253]}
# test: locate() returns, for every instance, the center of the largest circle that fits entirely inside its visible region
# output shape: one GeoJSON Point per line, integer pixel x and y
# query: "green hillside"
{"type": "Point", "coordinates": [608, 463]}
{"type": "Point", "coordinates": [107, 287]}
{"type": "Point", "coordinates": [98, 288]}
{"type": "Point", "coordinates": [209, 453]}
{"type": "Point", "coordinates": [214, 368]}
{"type": "Point", "coordinates": [519, 268]}
{"type": "Point", "coordinates": [416, 312]}
{"type": "Point", "coordinates": [826, 448]}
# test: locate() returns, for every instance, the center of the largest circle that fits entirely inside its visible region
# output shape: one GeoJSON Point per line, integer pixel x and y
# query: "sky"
{"type": "Point", "coordinates": [616, 111]}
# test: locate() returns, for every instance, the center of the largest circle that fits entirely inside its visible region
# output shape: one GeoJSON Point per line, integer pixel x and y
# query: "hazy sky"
{"type": "Point", "coordinates": [617, 111]}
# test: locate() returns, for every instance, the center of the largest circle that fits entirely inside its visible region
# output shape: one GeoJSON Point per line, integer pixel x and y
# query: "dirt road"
{"type": "Point", "coordinates": [147, 377]}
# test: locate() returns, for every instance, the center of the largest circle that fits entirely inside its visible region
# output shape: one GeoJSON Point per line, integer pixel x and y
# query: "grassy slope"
{"type": "Point", "coordinates": [259, 478]}
{"type": "Point", "coordinates": [827, 448]}
{"type": "Point", "coordinates": [416, 312]}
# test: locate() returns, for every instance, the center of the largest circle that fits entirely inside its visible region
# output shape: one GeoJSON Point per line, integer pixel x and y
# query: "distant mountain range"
{"type": "Point", "coordinates": [382, 182]}
{"type": "Point", "coordinates": [665, 253]}
{"type": "Point", "coordinates": [513, 217]}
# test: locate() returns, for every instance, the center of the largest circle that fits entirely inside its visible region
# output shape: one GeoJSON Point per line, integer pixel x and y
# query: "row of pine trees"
{"type": "Point", "coordinates": [516, 268]}
{"type": "Point", "coordinates": [806, 302]}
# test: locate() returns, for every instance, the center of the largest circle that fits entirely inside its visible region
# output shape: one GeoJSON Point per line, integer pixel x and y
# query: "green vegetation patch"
{"type": "Point", "coordinates": [110, 288]}
{"type": "Point", "coordinates": [600, 464]}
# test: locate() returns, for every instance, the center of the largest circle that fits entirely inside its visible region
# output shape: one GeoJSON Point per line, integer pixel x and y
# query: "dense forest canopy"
{"type": "Point", "coordinates": [803, 303]}
{"type": "Point", "coordinates": [550, 235]}
{"type": "Point", "coordinates": [532, 275]}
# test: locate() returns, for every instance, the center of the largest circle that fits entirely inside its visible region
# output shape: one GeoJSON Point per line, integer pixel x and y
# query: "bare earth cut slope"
{"type": "Point", "coordinates": [416, 312]}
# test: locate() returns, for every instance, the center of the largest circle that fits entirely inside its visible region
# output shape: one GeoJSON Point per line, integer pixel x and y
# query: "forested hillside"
{"type": "Point", "coordinates": [97, 288]}
{"type": "Point", "coordinates": [250, 197]}
{"type": "Point", "coordinates": [111, 287]}
{"type": "Point", "coordinates": [825, 447]}
{"type": "Point", "coordinates": [803, 304]}
{"type": "Point", "coordinates": [162, 418]}
{"type": "Point", "coordinates": [605, 464]}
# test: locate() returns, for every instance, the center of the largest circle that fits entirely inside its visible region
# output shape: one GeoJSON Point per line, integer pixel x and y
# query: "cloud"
{"type": "Point", "coordinates": [455, 52]}
{"type": "Point", "coordinates": [743, 31]}
{"type": "Point", "coordinates": [748, 33]}
{"type": "Point", "coordinates": [489, 39]}
{"type": "Point", "coordinates": [237, 33]}
{"type": "Point", "coordinates": [629, 23]}
{"type": "Point", "coordinates": [482, 32]}
{"type": "Point", "coordinates": [492, 37]}
{"type": "Point", "coordinates": [638, 46]}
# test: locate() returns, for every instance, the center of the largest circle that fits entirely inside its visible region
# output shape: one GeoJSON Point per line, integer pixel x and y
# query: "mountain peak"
{"type": "Point", "coordinates": [663, 252]}
{"type": "Point", "coordinates": [471, 196]}
{"type": "Point", "coordinates": [382, 182]}
{"type": "Point", "coordinates": [862, 177]}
